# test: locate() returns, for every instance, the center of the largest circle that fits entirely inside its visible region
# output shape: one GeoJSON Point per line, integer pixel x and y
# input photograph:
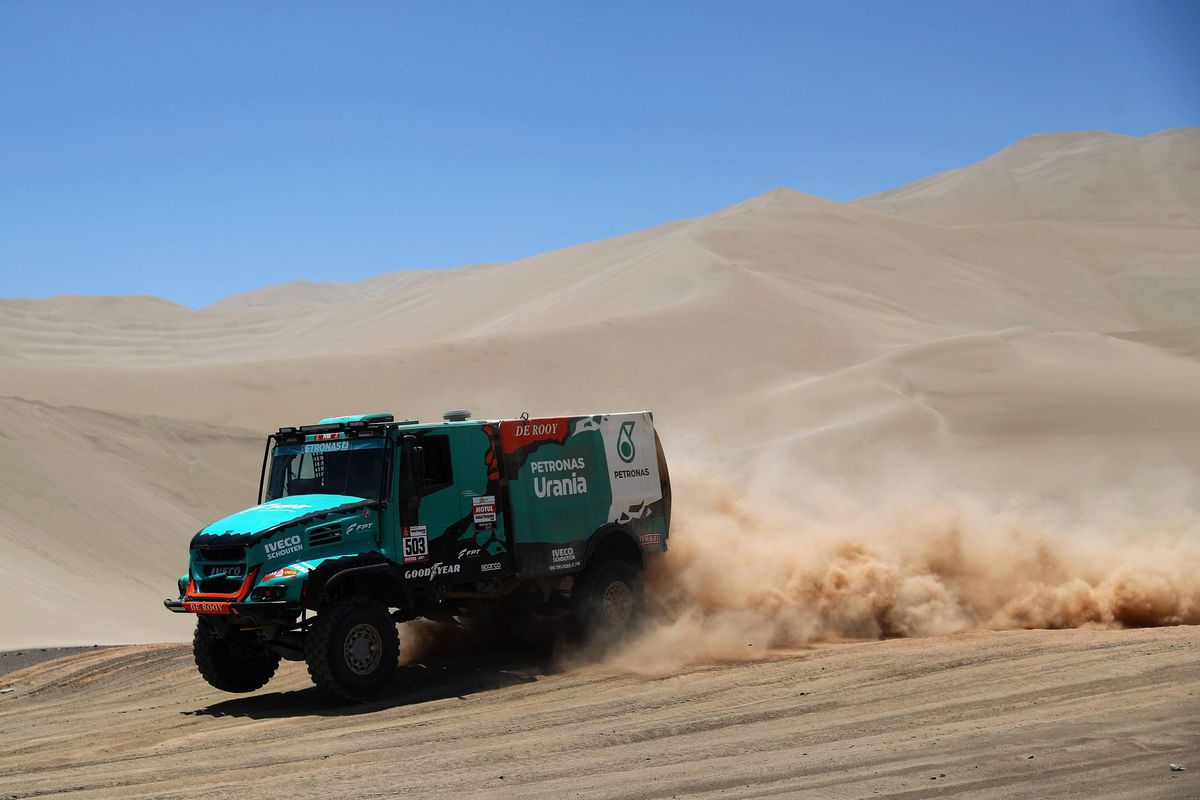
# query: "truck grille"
{"type": "Point", "coordinates": [220, 584]}
{"type": "Point", "coordinates": [219, 570]}
{"type": "Point", "coordinates": [326, 534]}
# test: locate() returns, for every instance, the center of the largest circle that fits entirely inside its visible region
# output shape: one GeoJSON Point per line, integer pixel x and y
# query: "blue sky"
{"type": "Point", "coordinates": [195, 150]}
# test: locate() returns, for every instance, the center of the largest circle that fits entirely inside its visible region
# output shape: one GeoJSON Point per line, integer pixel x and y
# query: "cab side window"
{"type": "Point", "coordinates": [438, 471]}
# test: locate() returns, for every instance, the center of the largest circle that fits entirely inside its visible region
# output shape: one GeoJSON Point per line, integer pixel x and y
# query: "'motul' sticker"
{"type": "Point", "coordinates": [483, 512]}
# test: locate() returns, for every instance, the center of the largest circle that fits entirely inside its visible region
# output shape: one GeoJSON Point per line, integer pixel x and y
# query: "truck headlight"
{"type": "Point", "coordinates": [268, 593]}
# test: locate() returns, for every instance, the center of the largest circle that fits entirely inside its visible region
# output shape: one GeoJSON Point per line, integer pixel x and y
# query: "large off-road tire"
{"type": "Point", "coordinates": [232, 664]}
{"type": "Point", "coordinates": [352, 648]}
{"type": "Point", "coordinates": [607, 600]}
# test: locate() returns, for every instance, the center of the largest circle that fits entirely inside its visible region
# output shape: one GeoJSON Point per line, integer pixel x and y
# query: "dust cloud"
{"type": "Point", "coordinates": [778, 561]}
{"type": "Point", "coordinates": [784, 561]}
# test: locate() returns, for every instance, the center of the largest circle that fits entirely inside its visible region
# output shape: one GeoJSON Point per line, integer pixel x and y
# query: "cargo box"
{"type": "Point", "coordinates": [569, 477]}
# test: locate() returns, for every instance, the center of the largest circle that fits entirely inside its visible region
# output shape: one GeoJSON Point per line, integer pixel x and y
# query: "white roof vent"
{"type": "Point", "coordinates": [457, 415]}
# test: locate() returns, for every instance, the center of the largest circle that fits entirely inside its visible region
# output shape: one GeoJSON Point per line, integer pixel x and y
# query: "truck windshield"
{"type": "Point", "coordinates": [353, 468]}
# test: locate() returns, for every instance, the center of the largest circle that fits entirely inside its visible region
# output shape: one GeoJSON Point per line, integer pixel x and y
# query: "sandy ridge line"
{"type": "Point", "coordinates": [47, 673]}
{"type": "Point", "coordinates": [13, 661]}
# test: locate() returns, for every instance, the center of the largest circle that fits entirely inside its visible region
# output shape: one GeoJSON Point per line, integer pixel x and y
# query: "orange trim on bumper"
{"type": "Point", "coordinates": [215, 603]}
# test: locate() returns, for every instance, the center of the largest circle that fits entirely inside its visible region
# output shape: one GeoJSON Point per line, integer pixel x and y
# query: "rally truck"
{"type": "Point", "coordinates": [367, 521]}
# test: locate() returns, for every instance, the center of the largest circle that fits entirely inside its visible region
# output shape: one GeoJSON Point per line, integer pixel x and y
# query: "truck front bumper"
{"type": "Point", "coordinates": [211, 607]}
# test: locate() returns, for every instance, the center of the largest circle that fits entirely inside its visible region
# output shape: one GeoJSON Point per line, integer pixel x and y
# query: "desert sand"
{"type": "Point", "coordinates": [987, 715]}
{"type": "Point", "coordinates": [963, 406]}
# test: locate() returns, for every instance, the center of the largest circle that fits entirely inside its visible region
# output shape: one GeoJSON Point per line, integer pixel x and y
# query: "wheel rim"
{"type": "Point", "coordinates": [363, 649]}
{"type": "Point", "coordinates": [618, 603]}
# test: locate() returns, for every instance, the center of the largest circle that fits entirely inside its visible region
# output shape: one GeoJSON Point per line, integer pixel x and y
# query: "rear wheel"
{"type": "Point", "coordinates": [352, 649]}
{"type": "Point", "coordinates": [607, 599]}
{"type": "Point", "coordinates": [233, 662]}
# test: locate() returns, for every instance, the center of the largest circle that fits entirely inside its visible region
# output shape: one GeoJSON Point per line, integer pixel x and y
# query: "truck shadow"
{"type": "Point", "coordinates": [413, 684]}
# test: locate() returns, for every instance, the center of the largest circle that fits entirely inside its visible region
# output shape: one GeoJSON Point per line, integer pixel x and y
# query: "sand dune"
{"type": "Point", "coordinates": [95, 508]}
{"type": "Point", "coordinates": [860, 273]}
{"type": "Point", "coordinates": [1021, 331]}
{"type": "Point", "coordinates": [1080, 177]}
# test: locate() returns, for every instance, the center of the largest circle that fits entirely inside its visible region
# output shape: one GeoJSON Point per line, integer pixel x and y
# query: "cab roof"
{"type": "Point", "coordinates": [357, 418]}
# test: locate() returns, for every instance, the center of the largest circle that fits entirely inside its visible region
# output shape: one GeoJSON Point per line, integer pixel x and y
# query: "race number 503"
{"type": "Point", "coordinates": [415, 544]}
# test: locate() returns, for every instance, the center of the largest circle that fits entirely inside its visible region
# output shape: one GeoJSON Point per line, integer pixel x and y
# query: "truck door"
{"type": "Point", "coordinates": [459, 534]}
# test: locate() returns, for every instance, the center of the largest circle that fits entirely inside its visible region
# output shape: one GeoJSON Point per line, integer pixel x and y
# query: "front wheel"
{"type": "Point", "coordinates": [233, 663]}
{"type": "Point", "coordinates": [352, 649]}
{"type": "Point", "coordinates": [607, 599]}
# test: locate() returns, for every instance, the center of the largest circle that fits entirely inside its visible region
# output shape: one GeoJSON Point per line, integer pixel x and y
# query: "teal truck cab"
{"type": "Point", "coordinates": [366, 521]}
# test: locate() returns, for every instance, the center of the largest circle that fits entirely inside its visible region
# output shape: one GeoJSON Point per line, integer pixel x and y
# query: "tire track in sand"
{"type": "Point", "coordinates": [1101, 713]}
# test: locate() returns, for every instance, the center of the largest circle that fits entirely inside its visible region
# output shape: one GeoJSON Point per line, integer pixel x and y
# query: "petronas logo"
{"type": "Point", "coordinates": [625, 449]}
